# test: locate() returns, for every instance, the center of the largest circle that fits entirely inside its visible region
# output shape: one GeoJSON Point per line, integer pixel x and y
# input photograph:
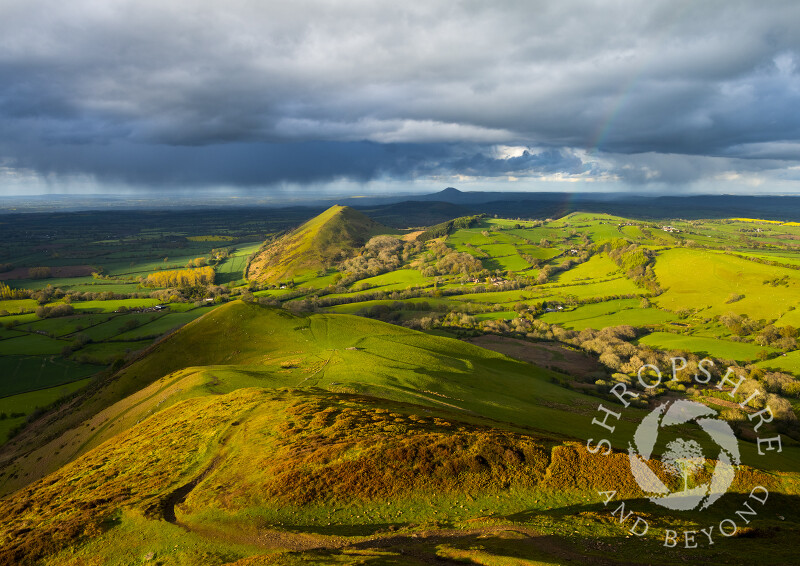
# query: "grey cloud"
{"type": "Point", "coordinates": [249, 93]}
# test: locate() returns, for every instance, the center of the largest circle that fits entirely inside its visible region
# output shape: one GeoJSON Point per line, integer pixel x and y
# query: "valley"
{"type": "Point", "coordinates": [348, 391]}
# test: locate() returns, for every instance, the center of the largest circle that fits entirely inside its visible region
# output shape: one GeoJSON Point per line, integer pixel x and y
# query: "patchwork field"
{"type": "Point", "coordinates": [253, 419]}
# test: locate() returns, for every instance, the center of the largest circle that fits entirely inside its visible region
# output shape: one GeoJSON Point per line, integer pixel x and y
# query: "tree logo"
{"type": "Point", "coordinates": [683, 458]}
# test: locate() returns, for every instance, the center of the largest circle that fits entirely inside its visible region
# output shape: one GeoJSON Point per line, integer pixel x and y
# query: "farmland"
{"type": "Point", "coordinates": [586, 298]}
{"type": "Point", "coordinates": [297, 388]}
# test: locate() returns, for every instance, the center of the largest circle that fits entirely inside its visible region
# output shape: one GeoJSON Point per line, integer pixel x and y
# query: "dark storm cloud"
{"type": "Point", "coordinates": [250, 93]}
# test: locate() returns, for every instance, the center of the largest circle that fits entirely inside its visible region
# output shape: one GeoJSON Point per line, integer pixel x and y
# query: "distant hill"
{"type": "Point", "coordinates": [316, 245]}
{"type": "Point", "coordinates": [413, 213]}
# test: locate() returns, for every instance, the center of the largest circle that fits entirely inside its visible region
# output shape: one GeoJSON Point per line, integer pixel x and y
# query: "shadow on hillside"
{"type": "Point", "coordinates": [779, 509]}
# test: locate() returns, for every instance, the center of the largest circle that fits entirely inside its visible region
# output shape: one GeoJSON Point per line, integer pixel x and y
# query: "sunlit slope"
{"type": "Point", "coordinates": [218, 477]}
{"type": "Point", "coordinates": [699, 279]}
{"type": "Point", "coordinates": [314, 246]}
{"type": "Point", "coordinates": [226, 466]}
{"type": "Point", "coordinates": [247, 345]}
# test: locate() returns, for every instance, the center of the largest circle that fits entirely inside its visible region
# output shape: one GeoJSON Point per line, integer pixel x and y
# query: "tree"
{"type": "Point", "coordinates": [683, 458]}
{"type": "Point", "coordinates": [39, 273]}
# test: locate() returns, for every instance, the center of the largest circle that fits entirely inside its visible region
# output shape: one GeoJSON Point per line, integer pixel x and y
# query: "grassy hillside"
{"type": "Point", "coordinates": [254, 435]}
{"type": "Point", "coordinates": [245, 345]}
{"type": "Point", "coordinates": [314, 246]}
{"type": "Point", "coordinates": [256, 475]}
{"type": "Point", "coordinates": [704, 279]}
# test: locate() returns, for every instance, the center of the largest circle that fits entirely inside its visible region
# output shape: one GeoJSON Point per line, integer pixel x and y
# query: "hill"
{"type": "Point", "coordinates": [413, 213]}
{"type": "Point", "coordinates": [247, 345]}
{"type": "Point", "coordinates": [314, 246]}
{"type": "Point", "coordinates": [348, 439]}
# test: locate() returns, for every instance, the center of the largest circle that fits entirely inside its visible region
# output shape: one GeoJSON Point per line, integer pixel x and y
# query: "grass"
{"type": "Point", "coordinates": [119, 324]}
{"type": "Point", "coordinates": [315, 471]}
{"type": "Point", "coordinates": [31, 345]}
{"type": "Point", "coordinates": [609, 313]}
{"type": "Point", "coordinates": [789, 362]}
{"type": "Point", "coordinates": [723, 349]}
{"type": "Point", "coordinates": [701, 279]}
{"type": "Point", "coordinates": [618, 286]}
{"type": "Point", "coordinates": [501, 315]}
{"type": "Point", "coordinates": [388, 361]}
{"type": "Point", "coordinates": [15, 306]}
{"type": "Point", "coordinates": [26, 403]}
{"type": "Point", "coordinates": [313, 246]}
{"type": "Point", "coordinates": [162, 324]}
{"type": "Point", "coordinates": [232, 269]}
{"type": "Point", "coordinates": [598, 267]}
{"type": "Point", "coordinates": [394, 280]}
{"type": "Point", "coordinates": [113, 305]}
{"type": "Point", "coordinates": [19, 374]}
{"type": "Point", "coordinates": [104, 353]}
{"type": "Point", "coordinates": [69, 324]}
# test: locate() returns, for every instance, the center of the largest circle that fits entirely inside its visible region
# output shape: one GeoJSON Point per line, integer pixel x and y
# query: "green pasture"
{"type": "Point", "coordinates": [66, 325]}
{"type": "Point", "coordinates": [104, 353]}
{"type": "Point", "coordinates": [718, 348]}
{"type": "Point", "coordinates": [395, 280]}
{"type": "Point", "coordinates": [162, 324]}
{"type": "Point", "coordinates": [617, 286]}
{"type": "Point", "coordinates": [609, 313]}
{"type": "Point", "coordinates": [15, 306]}
{"type": "Point", "coordinates": [28, 402]}
{"type": "Point", "coordinates": [232, 269]}
{"type": "Point", "coordinates": [790, 318]}
{"type": "Point", "coordinates": [701, 279]}
{"type": "Point", "coordinates": [31, 345]}
{"type": "Point", "coordinates": [113, 305]}
{"type": "Point", "coordinates": [789, 362]}
{"type": "Point", "coordinates": [119, 324]}
{"type": "Point", "coordinates": [20, 373]}
{"type": "Point", "coordinates": [598, 267]}
{"type": "Point", "coordinates": [499, 315]}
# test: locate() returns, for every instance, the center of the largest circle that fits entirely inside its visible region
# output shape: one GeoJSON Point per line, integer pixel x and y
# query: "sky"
{"type": "Point", "coordinates": [372, 96]}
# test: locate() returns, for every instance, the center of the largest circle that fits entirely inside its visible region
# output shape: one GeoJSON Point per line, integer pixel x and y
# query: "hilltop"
{"type": "Point", "coordinates": [315, 246]}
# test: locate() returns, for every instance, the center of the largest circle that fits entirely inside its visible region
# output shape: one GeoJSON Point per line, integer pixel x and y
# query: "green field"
{"type": "Point", "coordinates": [610, 313]}
{"type": "Point", "coordinates": [31, 344]}
{"type": "Point", "coordinates": [20, 373]}
{"type": "Point", "coordinates": [69, 324]}
{"type": "Point", "coordinates": [162, 324]}
{"type": "Point", "coordinates": [119, 324]}
{"type": "Point", "coordinates": [394, 280]}
{"type": "Point", "coordinates": [106, 352]}
{"type": "Point", "coordinates": [232, 269]}
{"type": "Point", "coordinates": [785, 362]}
{"type": "Point", "coordinates": [598, 267]}
{"type": "Point", "coordinates": [700, 279]}
{"type": "Point", "coordinates": [15, 306]}
{"type": "Point", "coordinates": [113, 305]}
{"type": "Point", "coordinates": [26, 403]}
{"type": "Point", "coordinates": [724, 349]}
